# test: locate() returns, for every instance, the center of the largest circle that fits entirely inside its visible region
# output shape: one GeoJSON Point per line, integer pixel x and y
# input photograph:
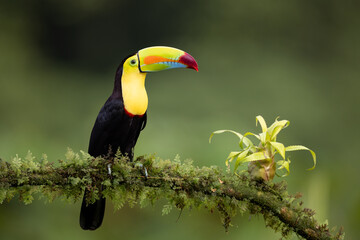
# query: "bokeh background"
{"type": "Point", "coordinates": [295, 59]}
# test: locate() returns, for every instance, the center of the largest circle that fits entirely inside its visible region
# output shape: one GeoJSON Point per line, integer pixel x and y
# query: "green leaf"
{"type": "Point", "coordinates": [231, 157]}
{"type": "Point", "coordinates": [276, 127]}
{"type": "Point", "coordinates": [250, 142]}
{"type": "Point", "coordinates": [252, 134]}
{"type": "Point", "coordinates": [262, 122]}
{"type": "Point", "coordinates": [255, 157]}
{"type": "Point", "coordinates": [240, 158]}
{"type": "Point", "coordinates": [222, 131]}
{"type": "Point", "coordinates": [284, 165]}
{"type": "Point", "coordinates": [263, 138]}
{"type": "Point", "coordinates": [300, 147]}
{"type": "Point", "coordinates": [245, 140]}
{"type": "Point", "coordinates": [279, 147]}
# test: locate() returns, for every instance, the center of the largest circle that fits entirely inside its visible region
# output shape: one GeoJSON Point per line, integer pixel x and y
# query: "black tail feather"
{"type": "Point", "coordinates": [91, 216]}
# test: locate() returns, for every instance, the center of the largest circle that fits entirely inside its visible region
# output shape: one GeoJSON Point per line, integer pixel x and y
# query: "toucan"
{"type": "Point", "coordinates": [123, 116]}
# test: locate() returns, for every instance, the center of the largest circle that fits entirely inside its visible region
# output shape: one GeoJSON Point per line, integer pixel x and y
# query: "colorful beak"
{"type": "Point", "coordinates": [154, 59]}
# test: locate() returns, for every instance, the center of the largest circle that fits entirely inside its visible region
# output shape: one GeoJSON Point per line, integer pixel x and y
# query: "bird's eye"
{"type": "Point", "coordinates": [132, 62]}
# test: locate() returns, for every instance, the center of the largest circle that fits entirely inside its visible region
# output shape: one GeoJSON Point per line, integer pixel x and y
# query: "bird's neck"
{"type": "Point", "coordinates": [131, 87]}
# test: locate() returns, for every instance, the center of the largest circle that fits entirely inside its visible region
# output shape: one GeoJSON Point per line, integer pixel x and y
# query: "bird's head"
{"type": "Point", "coordinates": [135, 67]}
{"type": "Point", "coordinates": [154, 59]}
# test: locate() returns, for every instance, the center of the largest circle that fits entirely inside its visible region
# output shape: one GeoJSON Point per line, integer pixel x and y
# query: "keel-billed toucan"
{"type": "Point", "coordinates": [123, 115]}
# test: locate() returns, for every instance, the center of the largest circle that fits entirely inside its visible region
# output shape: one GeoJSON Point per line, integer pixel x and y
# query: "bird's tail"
{"type": "Point", "coordinates": [91, 215]}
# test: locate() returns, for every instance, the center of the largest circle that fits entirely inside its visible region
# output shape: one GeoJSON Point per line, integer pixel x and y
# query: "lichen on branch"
{"type": "Point", "coordinates": [149, 179]}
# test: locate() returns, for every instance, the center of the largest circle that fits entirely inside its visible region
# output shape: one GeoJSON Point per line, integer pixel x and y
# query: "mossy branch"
{"type": "Point", "coordinates": [182, 184]}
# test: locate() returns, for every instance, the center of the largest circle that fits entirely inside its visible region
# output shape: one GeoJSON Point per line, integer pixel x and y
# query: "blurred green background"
{"type": "Point", "coordinates": [299, 60]}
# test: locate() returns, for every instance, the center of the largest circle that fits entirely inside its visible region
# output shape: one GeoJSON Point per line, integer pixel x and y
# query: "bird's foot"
{"type": "Point", "coordinates": [146, 172]}
{"type": "Point", "coordinates": [109, 168]}
{"type": "Point", "coordinates": [144, 169]}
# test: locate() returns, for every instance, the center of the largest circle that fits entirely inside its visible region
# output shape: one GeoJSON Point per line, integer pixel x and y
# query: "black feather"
{"type": "Point", "coordinates": [92, 215]}
{"type": "Point", "coordinates": [114, 129]}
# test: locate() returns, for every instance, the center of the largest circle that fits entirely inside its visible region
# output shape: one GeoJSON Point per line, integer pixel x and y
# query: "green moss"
{"type": "Point", "coordinates": [166, 209]}
{"type": "Point", "coordinates": [182, 184]}
{"type": "Point", "coordinates": [2, 195]}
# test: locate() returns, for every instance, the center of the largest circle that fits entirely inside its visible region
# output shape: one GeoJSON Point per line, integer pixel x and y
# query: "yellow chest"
{"type": "Point", "coordinates": [134, 93]}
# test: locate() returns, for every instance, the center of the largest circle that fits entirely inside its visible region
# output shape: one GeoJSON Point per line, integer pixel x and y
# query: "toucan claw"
{"type": "Point", "coordinates": [144, 170]}
{"type": "Point", "coordinates": [109, 168]}
{"type": "Point", "coordinates": [146, 173]}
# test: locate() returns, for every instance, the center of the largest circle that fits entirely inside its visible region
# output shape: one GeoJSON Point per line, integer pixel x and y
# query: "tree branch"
{"type": "Point", "coordinates": [182, 184]}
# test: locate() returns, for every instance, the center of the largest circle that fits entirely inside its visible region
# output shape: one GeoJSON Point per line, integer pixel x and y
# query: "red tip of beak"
{"type": "Point", "coordinates": [189, 61]}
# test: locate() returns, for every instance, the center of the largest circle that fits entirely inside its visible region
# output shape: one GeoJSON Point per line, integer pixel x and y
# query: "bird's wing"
{"type": "Point", "coordinates": [144, 121]}
{"type": "Point", "coordinates": [108, 124]}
